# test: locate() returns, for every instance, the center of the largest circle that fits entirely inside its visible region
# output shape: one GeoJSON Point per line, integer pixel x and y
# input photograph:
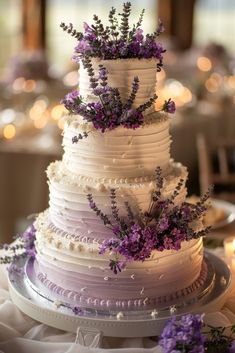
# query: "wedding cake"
{"type": "Point", "coordinates": [118, 234]}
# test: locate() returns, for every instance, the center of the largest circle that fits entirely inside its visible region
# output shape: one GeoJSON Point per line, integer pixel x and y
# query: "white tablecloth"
{"type": "Point", "coordinates": [21, 334]}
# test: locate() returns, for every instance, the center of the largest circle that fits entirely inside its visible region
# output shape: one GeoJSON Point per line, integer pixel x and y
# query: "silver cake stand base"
{"type": "Point", "coordinates": [144, 323]}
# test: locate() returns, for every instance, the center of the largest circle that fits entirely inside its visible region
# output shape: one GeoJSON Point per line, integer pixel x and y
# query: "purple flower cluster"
{"type": "Point", "coordinates": [138, 46]}
{"type": "Point", "coordinates": [169, 106]}
{"type": "Point", "coordinates": [135, 245]}
{"type": "Point", "coordinates": [23, 246]}
{"type": "Point", "coordinates": [163, 227]}
{"type": "Point", "coordinates": [118, 39]}
{"type": "Point", "coordinates": [28, 238]}
{"type": "Point", "coordinates": [109, 112]}
{"type": "Point", "coordinates": [77, 310]}
{"type": "Point", "coordinates": [183, 335]}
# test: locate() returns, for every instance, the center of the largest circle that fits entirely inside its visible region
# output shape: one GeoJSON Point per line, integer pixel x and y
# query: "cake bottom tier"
{"type": "Point", "coordinates": [75, 272]}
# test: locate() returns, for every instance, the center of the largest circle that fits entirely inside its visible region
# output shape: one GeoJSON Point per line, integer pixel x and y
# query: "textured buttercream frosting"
{"type": "Point", "coordinates": [69, 207]}
{"type": "Point", "coordinates": [77, 267]}
{"type": "Point", "coordinates": [121, 73]}
{"type": "Point", "coordinates": [118, 153]}
{"type": "Point", "coordinates": [69, 233]}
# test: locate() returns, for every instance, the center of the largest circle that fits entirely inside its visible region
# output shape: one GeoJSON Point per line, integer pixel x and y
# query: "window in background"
{"type": "Point", "coordinates": [214, 21]}
{"type": "Point", "coordinates": [10, 30]}
{"type": "Point", "coordinates": [60, 45]}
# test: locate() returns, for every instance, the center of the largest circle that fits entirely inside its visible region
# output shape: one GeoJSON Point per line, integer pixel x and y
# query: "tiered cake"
{"type": "Point", "coordinates": [69, 234]}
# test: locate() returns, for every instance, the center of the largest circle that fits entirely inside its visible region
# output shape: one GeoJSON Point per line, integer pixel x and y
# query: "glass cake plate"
{"type": "Point", "coordinates": [47, 308]}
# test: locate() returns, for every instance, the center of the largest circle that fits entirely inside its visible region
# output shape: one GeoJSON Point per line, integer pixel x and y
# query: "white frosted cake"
{"type": "Point", "coordinates": [69, 235]}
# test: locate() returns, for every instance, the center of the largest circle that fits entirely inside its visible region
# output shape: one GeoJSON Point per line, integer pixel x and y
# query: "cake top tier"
{"type": "Point", "coordinates": [122, 74]}
{"type": "Point", "coordinates": [118, 67]}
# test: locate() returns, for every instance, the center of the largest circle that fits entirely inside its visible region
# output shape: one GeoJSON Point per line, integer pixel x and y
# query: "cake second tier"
{"type": "Point", "coordinates": [119, 153]}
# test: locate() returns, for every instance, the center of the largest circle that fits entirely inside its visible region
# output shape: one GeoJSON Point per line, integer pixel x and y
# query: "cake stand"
{"type": "Point", "coordinates": [91, 325]}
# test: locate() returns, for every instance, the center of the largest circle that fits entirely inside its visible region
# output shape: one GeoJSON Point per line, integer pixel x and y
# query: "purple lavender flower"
{"type": "Point", "coordinates": [76, 310]}
{"type": "Point", "coordinates": [83, 46]}
{"type": "Point", "coordinates": [117, 266]}
{"type": "Point", "coordinates": [28, 238]}
{"type": "Point", "coordinates": [169, 106]}
{"type": "Point", "coordinates": [160, 28]}
{"type": "Point", "coordinates": [89, 32]}
{"type": "Point", "coordinates": [232, 348]}
{"type": "Point", "coordinates": [138, 36]}
{"type": "Point", "coordinates": [183, 335]}
{"type": "Point", "coordinates": [12, 268]}
{"type": "Point", "coordinates": [133, 119]}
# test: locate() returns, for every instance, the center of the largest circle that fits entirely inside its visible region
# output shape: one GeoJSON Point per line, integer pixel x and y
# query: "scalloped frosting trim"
{"type": "Point", "coordinates": [57, 172]}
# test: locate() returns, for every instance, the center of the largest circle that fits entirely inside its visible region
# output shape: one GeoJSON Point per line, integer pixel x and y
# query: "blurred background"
{"type": "Point", "coordinates": [36, 71]}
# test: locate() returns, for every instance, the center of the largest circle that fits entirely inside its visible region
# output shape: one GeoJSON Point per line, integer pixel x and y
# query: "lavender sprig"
{"type": "Point", "coordinates": [114, 23]}
{"type": "Point", "coordinates": [129, 211]}
{"type": "Point", "coordinates": [124, 27]}
{"type": "Point", "coordinates": [80, 136]}
{"type": "Point", "coordinates": [135, 88]}
{"type": "Point", "coordinates": [114, 209]}
{"type": "Point", "coordinates": [24, 246]}
{"type": "Point", "coordinates": [91, 73]}
{"type": "Point", "coordinates": [71, 30]}
{"type": "Point", "coordinates": [98, 212]}
{"type": "Point", "coordinates": [148, 104]}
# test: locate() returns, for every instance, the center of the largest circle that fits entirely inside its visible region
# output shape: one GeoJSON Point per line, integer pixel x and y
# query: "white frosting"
{"type": "Point", "coordinates": [163, 273]}
{"type": "Point", "coordinates": [118, 153]}
{"type": "Point", "coordinates": [120, 75]}
{"type": "Point", "coordinates": [69, 233]}
{"type": "Point", "coordinates": [69, 208]}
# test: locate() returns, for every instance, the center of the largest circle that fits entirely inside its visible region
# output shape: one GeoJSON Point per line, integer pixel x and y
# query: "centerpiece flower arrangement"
{"type": "Point", "coordinates": [117, 40]}
{"type": "Point", "coordinates": [190, 335]}
{"type": "Point", "coordinates": [163, 227]}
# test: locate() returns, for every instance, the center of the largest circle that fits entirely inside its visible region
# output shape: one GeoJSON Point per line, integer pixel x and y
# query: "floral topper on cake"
{"type": "Point", "coordinates": [163, 227]}
{"type": "Point", "coordinates": [118, 39]}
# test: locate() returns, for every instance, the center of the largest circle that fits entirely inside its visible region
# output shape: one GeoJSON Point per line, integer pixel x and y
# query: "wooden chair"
{"type": "Point", "coordinates": [223, 177]}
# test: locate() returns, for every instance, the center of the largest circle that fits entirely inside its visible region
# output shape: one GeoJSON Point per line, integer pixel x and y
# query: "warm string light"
{"type": "Point", "coordinates": [180, 94]}
{"type": "Point", "coordinates": [9, 131]}
{"type": "Point", "coordinates": [22, 85]}
{"type": "Point", "coordinates": [216, 81]}
{"type": "Point", "coordinates": [58, 111]}
{"type": "Point", "coordinates": [204, 64]}
{"type": "Point", "coordinates": [71, 78]}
